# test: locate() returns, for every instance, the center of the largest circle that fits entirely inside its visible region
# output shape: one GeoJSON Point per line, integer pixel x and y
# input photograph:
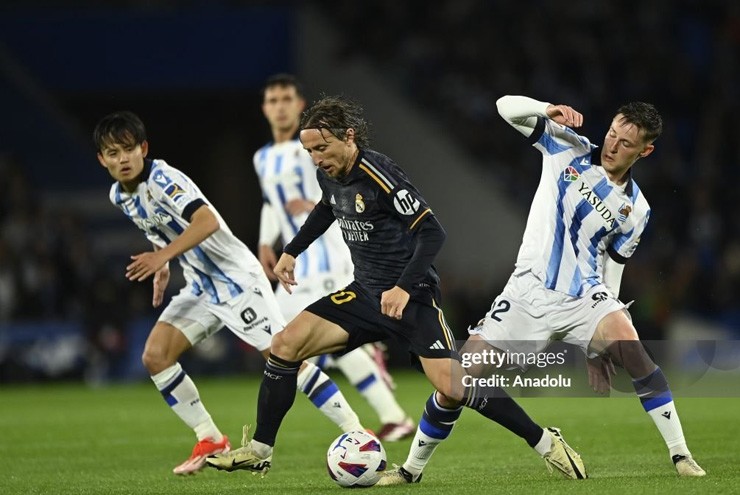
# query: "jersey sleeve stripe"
{"type": "Point", "coordinates": [539, 128]}
{"type": "Point", "coordinates": [388, 182]}
{"type": "Point", "coordinates": [424, 213]}
{"type": "Point", "coordinates": [552, 145]}
{"type": "Point", "coordinates": [376, 179]}
{"type": "Point", "coordinates": [614, 255]}
{"type": "Point", "coordinates": [189, 210]}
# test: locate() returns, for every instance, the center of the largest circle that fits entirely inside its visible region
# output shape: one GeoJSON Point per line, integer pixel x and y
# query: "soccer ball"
{"type": "Point", "coordinates": [355, 459]}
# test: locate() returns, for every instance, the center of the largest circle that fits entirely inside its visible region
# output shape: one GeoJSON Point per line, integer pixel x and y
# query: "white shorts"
{"type": "Point", "coordinates": [254, 315]}
{"type": "Point", "coordinates": [526, 316]}
{"type": "Point", "coordinates": [307, 292]}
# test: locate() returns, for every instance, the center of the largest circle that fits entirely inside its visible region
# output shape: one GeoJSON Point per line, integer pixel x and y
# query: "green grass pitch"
{"type": "Point", "coordinates": [122, 439]}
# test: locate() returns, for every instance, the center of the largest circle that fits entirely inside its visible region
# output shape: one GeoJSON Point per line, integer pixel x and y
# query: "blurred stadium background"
{"type": "Point", "coordinates": [428, 74]}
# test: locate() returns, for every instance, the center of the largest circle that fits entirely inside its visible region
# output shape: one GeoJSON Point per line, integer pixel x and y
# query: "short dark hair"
{"type": "Point", "coordinates": [645, 116]}
{"type": "Point", "coordinates": [336, 114]}
{"type": "Point", "coordinates": [122, 127]}
{"type": "Point", "coordinates": [283, 79]}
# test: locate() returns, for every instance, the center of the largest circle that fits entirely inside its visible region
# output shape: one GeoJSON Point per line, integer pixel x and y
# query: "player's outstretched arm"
{"type": "Point", "coordinates": [565, 115]}
{"type": "Point", "coordinates": [316, 224]}
{"type": "Point", "coordinates": [285, 272]}
{"type": "Point", "coordinates": [161, 279]}
{"type": "Point", "coordinates": [269, 233]}
{"type": "Point", "coordinates": [521, 112]}
{"type": "Point", "coordinates": [203, 223]}
{"type": "Point", "coordinates": [600, 372]}
{"type": "Point", "coordinates": [430, 237]}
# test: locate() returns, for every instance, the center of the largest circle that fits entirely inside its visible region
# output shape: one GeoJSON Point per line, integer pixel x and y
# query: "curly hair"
{"type": "Point", "coordinates": [336, 114]}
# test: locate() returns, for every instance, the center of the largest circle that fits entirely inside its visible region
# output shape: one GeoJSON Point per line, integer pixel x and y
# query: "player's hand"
{"type": "Point", "coordinates": [297, 206]}
{"type": "Point", "coordinates": [268, 260]}
{"type": "Point", "coordinates": [161, 279]}
{"type": "Point", "coordinates": [145, 265]}
{"type": "Point", "coordinates": [285, 272]}
{"type": "Point", "coordinates": [393, 302]}
{"type": "Point", "coordinates": [565, 115]}
{"type": "Point", "coordinates": [600, 372]}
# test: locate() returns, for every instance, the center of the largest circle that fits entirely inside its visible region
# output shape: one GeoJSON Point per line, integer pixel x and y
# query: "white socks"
{"type": "Point", "coordinates": [182, 396]}
{"type": "Point", "coordinates": [435, 425]}
{"type": "Point", "coordinates": [327, 397]}
{"type": "Point", "coordinates": [363, 373]}
{"type": "Point", "coordinates": [666, 419]}
{"type": "Point", "coordinates": [544, 445]}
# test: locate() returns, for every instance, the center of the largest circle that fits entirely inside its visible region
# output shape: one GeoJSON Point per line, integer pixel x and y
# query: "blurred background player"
{"type": "Point", "coordinates": [290, 189]}
{"type": "Point", "coordinates": [225, 283]}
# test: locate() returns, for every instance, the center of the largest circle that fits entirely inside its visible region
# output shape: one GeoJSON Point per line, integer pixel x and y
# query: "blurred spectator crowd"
{"type": "Point", "coordinates": [454, 58]}
{"type": "Point", "coordinates": [51, 273]}
{"type": "Point", "coordinates": [44, 258]}
{"type": "Point", "coordinates": [457, 57]}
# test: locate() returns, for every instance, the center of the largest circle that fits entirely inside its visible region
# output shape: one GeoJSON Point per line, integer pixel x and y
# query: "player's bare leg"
{"type": "Point", "coordinates": [444, 407]}
{"type": "Point", "coordinates": [163, 347]}
{"type": "Point", "coordinates": [616, 336]}
{"type": "Point", "coordinates": [305, 336]}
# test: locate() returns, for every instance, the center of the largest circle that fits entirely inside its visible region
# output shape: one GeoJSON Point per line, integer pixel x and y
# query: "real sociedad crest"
{"type": "Point", "coordinates": [624, 212]}
{"type": "Point", "coordinates": [359, 203]}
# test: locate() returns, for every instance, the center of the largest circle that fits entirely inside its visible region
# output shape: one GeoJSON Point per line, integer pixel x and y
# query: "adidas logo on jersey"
{"type": "Point", "coordinates": [332, 200]}
{"type": "Point", "coordinates": [437, 346]}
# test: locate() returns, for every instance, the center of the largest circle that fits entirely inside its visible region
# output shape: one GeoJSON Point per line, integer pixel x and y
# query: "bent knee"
{"type": "Point", "coordinates": [156, 360]}
{"type": "Point", "coordinates": [615, 326]}
{"type": "Point", "coordinates": [450, 399]}
{"type": "Point", "coordinates": [449, 393]}
{"type": "Point", "coordinates": [285, 346]}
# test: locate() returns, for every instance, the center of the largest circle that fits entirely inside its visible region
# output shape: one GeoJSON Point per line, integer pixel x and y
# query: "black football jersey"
{"type": "Point", "coordinates": [378, 211]}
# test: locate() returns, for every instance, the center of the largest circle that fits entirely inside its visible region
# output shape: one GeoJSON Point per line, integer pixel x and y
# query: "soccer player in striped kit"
{"type": "Point", "coordinates": [585, 221]}
{"type": "Point", "coordinates": [290, 189]}
{"type": "Point", "coordinates": [225, 283]}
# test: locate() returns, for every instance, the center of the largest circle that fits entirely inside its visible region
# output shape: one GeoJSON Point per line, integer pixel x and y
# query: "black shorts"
{"type": "Point", "coordinates": [422, 328]}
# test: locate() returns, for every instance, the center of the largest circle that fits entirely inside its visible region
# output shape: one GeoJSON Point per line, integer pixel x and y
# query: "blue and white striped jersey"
{"type": "Point", "coordinates": [286, 172]}
{"type": "Point", "coordinates": [578, 215]}
{"type": "Point", "coordinates": [221, 267]}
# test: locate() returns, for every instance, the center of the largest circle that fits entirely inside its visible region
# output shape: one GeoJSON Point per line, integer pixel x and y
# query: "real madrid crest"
{"type": "Point", "coordinates": [359, 203]}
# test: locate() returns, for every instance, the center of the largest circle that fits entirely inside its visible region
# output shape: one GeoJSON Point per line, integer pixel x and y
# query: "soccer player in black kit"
{"type": "Point", "coordinates": [393, 237]}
